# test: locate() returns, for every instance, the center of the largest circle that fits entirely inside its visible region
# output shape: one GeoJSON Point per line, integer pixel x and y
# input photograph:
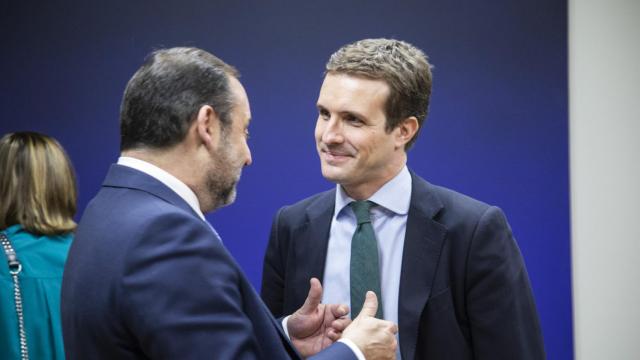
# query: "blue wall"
{"type": "Point", "coordinates": [497, 129]}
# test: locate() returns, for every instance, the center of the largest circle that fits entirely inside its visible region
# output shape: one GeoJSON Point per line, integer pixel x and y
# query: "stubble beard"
{"type": "Point", "coordinates": [222, 179]}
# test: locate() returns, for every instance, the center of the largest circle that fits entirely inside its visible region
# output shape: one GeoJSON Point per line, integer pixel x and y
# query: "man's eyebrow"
{"type": "Point", "coordinates": [343, 112]}
{"type": "Point", "coordinates": [354, 113]}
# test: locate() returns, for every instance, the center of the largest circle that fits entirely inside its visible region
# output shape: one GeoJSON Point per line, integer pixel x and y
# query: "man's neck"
{"type": "Point", "coordinates": [166, 160]}
{"type": "Point", "coordinates": [172, 182]}
{"type": "Point", "coordinates": [366, 190]}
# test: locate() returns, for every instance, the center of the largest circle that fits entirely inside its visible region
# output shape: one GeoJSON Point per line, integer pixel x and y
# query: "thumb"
{"type": "Point", "coordinates": [370, 306]}
{"type": "Point", "coordinates": [313, 298]}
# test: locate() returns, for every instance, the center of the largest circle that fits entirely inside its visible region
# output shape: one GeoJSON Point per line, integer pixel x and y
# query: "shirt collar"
{"type": "Point", "coordinates": [164, 177]}
{"type": "Point", "coordinates": [395, 195]}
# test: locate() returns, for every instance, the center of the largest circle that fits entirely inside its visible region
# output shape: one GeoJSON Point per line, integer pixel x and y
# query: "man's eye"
{"type": "Point", "coordinates": [353, 120]}
{"type": "Point", "coordinates": [324, 114]}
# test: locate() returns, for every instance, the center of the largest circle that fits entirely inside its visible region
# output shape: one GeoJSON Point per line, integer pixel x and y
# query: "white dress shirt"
{"type": "Point", "coordinates": [389, 221]}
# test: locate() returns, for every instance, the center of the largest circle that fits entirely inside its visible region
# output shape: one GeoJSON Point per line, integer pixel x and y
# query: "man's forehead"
{"type": "Point", "coordinates": [240, 99]}
{"type": "Point", "coordinates": [340, 88]}
{"type": "Point", "coordinates": [238, 91]}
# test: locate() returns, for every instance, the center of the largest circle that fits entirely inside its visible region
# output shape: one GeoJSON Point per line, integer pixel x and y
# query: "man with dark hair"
{"type": "Point", "coordinates": [148, 277]}
{"type": "Point", "coordinates": [445, 267]}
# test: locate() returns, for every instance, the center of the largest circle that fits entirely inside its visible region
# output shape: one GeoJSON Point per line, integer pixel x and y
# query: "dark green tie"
{"type": "Point", "coordinates": [365, 271]}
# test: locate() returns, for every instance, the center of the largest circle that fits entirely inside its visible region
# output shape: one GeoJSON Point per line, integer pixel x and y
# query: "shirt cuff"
{"type": "Point", "coordinates": [284, 326]}
{"type": "Point", "coordinates": [353, 348]}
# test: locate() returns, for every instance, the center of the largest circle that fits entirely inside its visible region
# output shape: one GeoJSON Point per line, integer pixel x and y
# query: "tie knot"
{"type": "Point", "coordinates": [361, 209]}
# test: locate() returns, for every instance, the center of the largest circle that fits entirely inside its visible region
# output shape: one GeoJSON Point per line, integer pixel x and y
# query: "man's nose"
{"type": "Point", "coordinates": [333, 132]}
{"type": "Point", "coordinates": [249, 160]}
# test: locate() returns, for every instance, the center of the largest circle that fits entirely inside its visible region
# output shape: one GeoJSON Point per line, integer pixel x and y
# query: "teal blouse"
{"type": "Point", "coordinates": [42, 259]}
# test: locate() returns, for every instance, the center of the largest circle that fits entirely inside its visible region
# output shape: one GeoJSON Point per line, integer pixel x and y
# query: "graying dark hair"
{"type": "Point", "coordinates": [163, 97]}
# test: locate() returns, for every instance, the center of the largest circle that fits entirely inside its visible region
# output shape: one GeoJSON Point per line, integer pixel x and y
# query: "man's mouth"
{"type": "Point", "coordinates": [335, 156]}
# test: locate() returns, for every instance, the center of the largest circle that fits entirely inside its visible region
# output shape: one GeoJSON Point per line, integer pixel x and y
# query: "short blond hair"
{"type": "Point", "coordinates": [37, 184]}
{"type": "Point", "coordinates": [404, 67]}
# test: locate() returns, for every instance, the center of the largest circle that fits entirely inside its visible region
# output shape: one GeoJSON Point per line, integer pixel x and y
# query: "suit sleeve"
{"type": "Point", "coordinates": [181, 296]}
{"type": "Point", "coordinates": [336, 351]}
{"type": "Point", "coordinates": [274, 269]}
{"type": "Point", "coordinates": [500, 304]}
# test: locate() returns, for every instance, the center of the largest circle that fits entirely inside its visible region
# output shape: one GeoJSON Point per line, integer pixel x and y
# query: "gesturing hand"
{"type": "Point", "coordinates": [315, 326]}
{"type": "Point", "coordinates": [375, 338]}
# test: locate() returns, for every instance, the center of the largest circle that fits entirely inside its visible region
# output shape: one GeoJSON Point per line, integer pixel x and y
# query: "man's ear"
{"type": "Point", "coordinates": [406, 130]}
{"type": "Point", "coordinates": [207, 127]}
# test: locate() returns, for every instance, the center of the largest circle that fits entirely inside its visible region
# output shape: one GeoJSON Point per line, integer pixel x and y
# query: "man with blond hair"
{"type": "Point", "coordinates": [445, 266]}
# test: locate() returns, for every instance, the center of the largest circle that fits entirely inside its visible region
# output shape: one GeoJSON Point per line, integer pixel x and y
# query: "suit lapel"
{"type": "Point", "coordinates": [422, 246]}
{"type": "Point", "coordinates": [315, 236]}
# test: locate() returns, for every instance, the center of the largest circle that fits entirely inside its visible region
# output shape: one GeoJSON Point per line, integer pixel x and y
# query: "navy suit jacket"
{"type": "Point", "coordinates": [146, 278]}
{"type": "Point", "coordinates": [464, 288]}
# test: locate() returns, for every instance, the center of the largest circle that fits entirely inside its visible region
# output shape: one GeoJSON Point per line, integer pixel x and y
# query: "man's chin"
{"type": "Point", "coordinates": [222, 199]}
{"type": "Point", "coordinates": [230, 198]}
{"type": "Point", "coordinates": [333, 174]}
